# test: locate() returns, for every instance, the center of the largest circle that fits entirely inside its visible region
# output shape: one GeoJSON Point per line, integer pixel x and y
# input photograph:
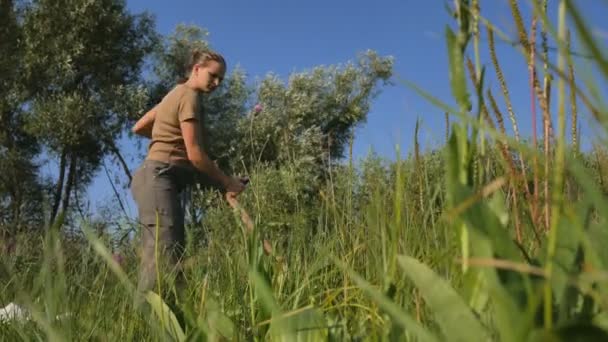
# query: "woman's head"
{"type": "Point", "coordinates": [206, 70]}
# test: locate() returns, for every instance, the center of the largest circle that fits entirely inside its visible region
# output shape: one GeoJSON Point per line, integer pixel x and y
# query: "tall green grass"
{"type": "Point", "coordinates": [446, 244]}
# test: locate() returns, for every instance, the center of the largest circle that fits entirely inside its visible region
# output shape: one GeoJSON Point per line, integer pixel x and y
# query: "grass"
{"type": "Point", "coordinates": [316, 249]}
{"type": "Point", "coordinates": [449, 244]}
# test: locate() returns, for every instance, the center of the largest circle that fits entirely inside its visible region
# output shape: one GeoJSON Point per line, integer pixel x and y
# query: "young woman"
{"type": "Point", "coordinates": [174, 156]}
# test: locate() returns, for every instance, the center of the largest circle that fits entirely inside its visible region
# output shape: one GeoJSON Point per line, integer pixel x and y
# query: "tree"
{"type": "Point", "coordinates": [82, 64]}
{"type": "Point", "coordinates": [314, 114]}
{"type": "Point", "coordinates": [20, 188]}
{"type": "Point", "coordinates": [308, 122]}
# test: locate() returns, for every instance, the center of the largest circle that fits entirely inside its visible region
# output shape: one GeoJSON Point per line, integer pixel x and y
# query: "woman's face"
{"type": "Point", "coordinates": [208, 75]}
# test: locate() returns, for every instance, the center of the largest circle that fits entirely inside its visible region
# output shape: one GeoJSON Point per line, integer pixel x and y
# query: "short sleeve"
{"type": "Point", "coordinates": [155, 108]}
{"type": "Point", "coordinates": [188, 107]}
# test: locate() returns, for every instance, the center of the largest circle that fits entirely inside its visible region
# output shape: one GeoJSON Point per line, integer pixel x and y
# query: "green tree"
{"type": "Point", "coordinates": [20, 188]}
{"type": "Point", "coordinates": [308, 122]}
{"type": "Point", "coordinates": [82, 64]}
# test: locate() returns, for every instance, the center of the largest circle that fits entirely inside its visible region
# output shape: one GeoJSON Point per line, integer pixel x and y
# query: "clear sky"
{"type": "Point", "coordinates": [282, 36]}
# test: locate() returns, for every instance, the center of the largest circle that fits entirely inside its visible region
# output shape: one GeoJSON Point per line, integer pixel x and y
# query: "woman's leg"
{"type": "Point", "coordinates": [162, 221]}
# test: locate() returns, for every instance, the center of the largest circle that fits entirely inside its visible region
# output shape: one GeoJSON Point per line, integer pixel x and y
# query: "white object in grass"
{"type": "Point", "coordinates": [13, 311]}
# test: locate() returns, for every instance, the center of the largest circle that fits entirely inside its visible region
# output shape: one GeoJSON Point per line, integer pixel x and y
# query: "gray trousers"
{"type": "Point", "coordinates": [157, 188]}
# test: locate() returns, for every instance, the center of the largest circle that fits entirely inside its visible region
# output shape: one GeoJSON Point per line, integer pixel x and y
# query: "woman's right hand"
{"type": "Point", "coordinates": [234, 186]}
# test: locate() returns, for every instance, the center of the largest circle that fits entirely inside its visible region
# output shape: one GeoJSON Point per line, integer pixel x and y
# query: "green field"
{"type": "Point", "coordinates": [488, 237]}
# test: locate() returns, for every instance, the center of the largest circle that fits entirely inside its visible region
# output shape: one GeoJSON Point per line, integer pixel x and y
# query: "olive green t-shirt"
{"type": "Point", "coordinates": [167, 144]}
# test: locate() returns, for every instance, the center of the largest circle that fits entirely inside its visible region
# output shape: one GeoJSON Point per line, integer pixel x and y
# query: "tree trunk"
{"type": "Point", "coordinates": [13, 205]}
{"type": "Point", "coordinates": [58, 188]}
{"type": "Point", "coordinates": [17, 202]}
{"type": "Point", "coordinates": [78, 205]}
{"type": "Point", "coordinates": [68, 187]}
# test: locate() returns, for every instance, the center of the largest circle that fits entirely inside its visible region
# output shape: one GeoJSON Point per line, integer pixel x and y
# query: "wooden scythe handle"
{"type": "Point", "coordinates": [234, 203]}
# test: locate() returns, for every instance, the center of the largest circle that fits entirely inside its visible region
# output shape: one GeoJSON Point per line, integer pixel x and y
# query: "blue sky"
{"type": "Point", "coordinates": [282, 37]}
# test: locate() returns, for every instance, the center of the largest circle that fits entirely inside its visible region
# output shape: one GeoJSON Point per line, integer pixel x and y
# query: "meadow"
{"type": "Point", "coordinates": [488, 237]}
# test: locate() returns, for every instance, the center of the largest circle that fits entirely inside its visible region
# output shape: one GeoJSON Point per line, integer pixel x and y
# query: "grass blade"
{"type": "Point", "coordinates": [455, 318]}
{"type": "Point", "coordinates": [397, 314]}
{"type": "Point", "coordinates": [163, 311]}
{"type": "Point", "coordinates": [457, 78]}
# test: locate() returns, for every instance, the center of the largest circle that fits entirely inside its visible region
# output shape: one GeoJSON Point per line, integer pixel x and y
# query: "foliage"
{"type": "Point", "coordinates": [20, 190]}
{"type": "Point", "coordinates": [470, 241]}
{"type": "Point", "coordinates": [73, 76]}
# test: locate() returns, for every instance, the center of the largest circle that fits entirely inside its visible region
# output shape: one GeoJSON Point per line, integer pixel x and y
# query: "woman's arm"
{"type": "Point", "coordinates": [200, 159]}
{"type": "Point", "coordinates": [197, 156]}
{"type": "Point", "coordinates": [144, 125]}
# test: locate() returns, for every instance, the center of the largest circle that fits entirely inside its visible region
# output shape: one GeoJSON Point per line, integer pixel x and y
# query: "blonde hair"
{"type": "Point", "coordinates": [201, 57]}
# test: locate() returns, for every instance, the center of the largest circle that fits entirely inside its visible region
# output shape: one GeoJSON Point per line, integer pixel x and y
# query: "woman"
{"type": "Point", "coordinates": [174, 156]}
